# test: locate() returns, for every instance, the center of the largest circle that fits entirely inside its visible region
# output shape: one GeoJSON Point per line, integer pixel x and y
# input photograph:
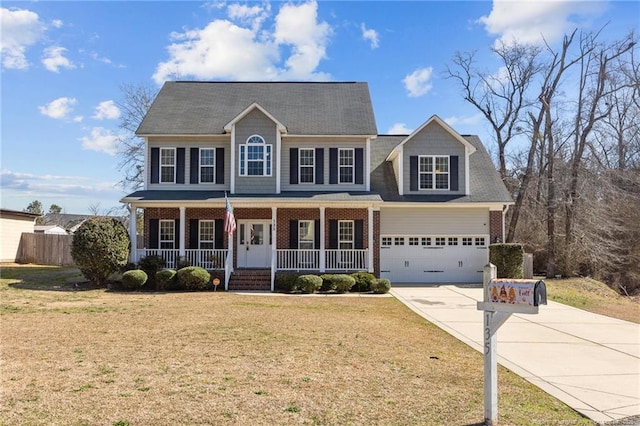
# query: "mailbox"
{"type": "Point", "coordinates": [514, 295]}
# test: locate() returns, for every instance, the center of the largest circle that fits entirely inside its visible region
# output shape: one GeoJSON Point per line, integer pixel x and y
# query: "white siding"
{"type": "Point", "coordinates": [10, 232]}
{"type": "Point", "coordinates": [434, 221]}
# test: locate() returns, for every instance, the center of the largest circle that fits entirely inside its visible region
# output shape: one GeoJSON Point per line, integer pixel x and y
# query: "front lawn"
{"type": "Point", "coordinates": [92, 357]}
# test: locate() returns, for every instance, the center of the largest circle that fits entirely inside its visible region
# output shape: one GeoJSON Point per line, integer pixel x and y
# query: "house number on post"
{"type": "Point", "coordinates": [503, 297]}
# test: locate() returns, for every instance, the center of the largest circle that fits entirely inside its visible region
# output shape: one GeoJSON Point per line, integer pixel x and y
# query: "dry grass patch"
{"type": "Point", "coordinates": [593, 296]}
{"type": "Point", "coordinates": [220, 358]}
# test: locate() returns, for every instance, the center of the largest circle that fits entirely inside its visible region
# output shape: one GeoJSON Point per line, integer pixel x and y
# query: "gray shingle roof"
{"type": "Point", "coordinates": [191, 107]}
{"type": "Point", "coordinates": [289, 196]}
{"type": "Point", "coordinates": [485, 185]}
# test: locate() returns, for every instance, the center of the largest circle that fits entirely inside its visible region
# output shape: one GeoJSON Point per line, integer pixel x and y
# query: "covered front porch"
{"type": "Point", "coordinates": [271, 234]}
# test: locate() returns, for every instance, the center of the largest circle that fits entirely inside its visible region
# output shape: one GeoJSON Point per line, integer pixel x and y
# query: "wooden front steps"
{"type": "Point", "coordinates": [250, 279]}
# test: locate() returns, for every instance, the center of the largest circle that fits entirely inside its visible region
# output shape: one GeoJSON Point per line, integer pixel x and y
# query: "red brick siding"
{"type": "Point", "coordinates": [495, 226]}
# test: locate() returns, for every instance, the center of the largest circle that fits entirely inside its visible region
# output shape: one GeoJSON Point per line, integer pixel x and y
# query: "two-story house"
{"type": "Point", "coordinates": [312, 185]}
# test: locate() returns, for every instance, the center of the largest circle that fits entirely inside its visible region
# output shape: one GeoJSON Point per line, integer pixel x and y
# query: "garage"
{"type": "Point", "coordinates": [433, 259]}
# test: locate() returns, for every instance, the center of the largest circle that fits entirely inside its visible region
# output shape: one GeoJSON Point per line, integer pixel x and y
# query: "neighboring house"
{"type": "Point", "coordinates": [312, 184]}
{"type": "Point", "coordinates": [50, 229]}
{"type": "Point", "coordinates": [12, 224]}
{"type": "Point", "coordinates": [71, 222]}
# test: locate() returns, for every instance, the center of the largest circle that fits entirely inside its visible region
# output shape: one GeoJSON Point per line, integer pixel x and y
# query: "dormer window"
{"type": "Point", "coordinates": [255, 157]}
{"type": "Point", "coordinates": [433, 172]}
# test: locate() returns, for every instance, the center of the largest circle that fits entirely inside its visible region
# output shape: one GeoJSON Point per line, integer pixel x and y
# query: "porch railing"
{"type": "Point", "coordinates": [206, 258]}
{"type": "Point", "coordinates": [335, 259]}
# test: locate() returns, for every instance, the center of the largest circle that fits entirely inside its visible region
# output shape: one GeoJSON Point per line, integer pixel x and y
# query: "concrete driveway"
{"type": "Point", "coordinates": [590, 362]}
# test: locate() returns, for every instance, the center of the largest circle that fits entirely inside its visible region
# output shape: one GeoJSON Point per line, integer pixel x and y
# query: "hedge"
{"type": "Point", "coordinates": [508, 258]}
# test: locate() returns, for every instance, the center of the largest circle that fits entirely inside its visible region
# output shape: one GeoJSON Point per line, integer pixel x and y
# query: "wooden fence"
{"type": "Point", "coordinates": [45, 249]}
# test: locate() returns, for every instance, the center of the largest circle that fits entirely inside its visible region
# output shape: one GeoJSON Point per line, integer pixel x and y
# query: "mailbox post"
{"type": "Point", "coordinates": [502, 297]}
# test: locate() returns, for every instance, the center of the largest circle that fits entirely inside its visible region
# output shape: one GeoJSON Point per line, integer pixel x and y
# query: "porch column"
{"type": "Point", "coordinates": [274, 245]}
{"type": "Point", "coordinates": [370, 243]}
{"type": "Point", "coordinates": [323, 254]}
{"type": "Point", "coordinates": [182, 229]}
{"type": "Point", "coordinates": [133, 233]}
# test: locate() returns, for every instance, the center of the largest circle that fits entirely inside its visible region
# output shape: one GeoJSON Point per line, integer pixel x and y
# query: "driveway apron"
{"type": "Point", "coordinates": [590, 362]}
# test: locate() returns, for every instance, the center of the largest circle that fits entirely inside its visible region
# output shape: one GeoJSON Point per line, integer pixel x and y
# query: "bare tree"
{"type": "Point", "coordinates": [501, 96]}
{"type": "Point", "coordinates": [134, 104]}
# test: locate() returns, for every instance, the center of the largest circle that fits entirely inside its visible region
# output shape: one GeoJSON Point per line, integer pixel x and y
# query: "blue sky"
{"type": "Point", "coordinates": [63, 63]}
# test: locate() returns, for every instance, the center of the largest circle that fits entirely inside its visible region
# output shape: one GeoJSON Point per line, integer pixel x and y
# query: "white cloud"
{"type": "Point", "coordinates": [19, 29]}
{"type": "Point", "coordinates": [58, 108]}
{"type": "Point", "coordinates": [53, 59]}
{"type": "Point", "coordinates": [470, 120]}
{"type": "Point", "coordinates": [528, 21]}
{"type": "Point", "coordinates": [418, 83]}
{"type": "Point", "coordinates": [101, 140]}
{"type": "Point", "coordinates": [57, 23]}
{"type": "Point", "coordinates": [371, 35]}
{"type": "Point", "coordinates": [107, 110]}
{"type": "Point", "coordinates": [399, 129]}
{"type": "Point", "coordinates": [245, 51]}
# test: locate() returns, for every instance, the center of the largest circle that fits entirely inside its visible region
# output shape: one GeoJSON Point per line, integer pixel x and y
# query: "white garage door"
{"type": "Point", "coordinates": [433, 259]}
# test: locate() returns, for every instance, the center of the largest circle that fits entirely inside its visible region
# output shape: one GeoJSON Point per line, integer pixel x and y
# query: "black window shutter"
{"type": "Point", "coordinates": [176, 234]}
{"type": "Point", "coordinates": [333, 234]}
{"type": "Point", "coordinates": [194, 233]}
{"type": "Point", "coordinates": [219, 230]}
{"type": "Point", "coordinates": [453, 172]}
{"type": "Point", "coordinates": [413, 172]}
{"type": "Point", "coordinates": [293, 234]}
{"type": "Point", "coordinates": [293, 166]}
{"type": "Point", "coordinates": [316, 234]}
{"type": "Point", "coordinates": [333, 165]}
{"type": "Point", "coordinates": [319, 166]}
{"type": "Point", "coordinates": [358, 231]}
{"type": "Point", "coordinates": [195, 165]}
{"type": "Point", "coordinates": [180, 165]}
{"type": "Point", "coordinates": [154, 229]}
{"type": "Point", "coordinates": [359, 162]}
{"type": "Point", "coordinates": [220, 166]}
{"type": "Point", "coordinates": [155, 166]}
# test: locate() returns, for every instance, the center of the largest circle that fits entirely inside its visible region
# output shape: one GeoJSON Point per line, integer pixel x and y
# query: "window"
{"type": "Point", "coordinates": [346, 165]}
{"type": "Point", "coordinates": [306, 234]}
{"type": "Point", "coordinates": [386, 241]}
{"type": "Point", "coordinates": [398, 241]}
{"type": "Point", "coordinates": [453, 241]}
{"type": "Point", "coordinates": [413, 241]}
{"type": "Point", "coordinates": [426, 241]}
{"type": "Point", "coordinates": [207, 240]}
{"type": "Point", "coordinates": [307, 165]}
{"type": "Point", "coordinates": [167, 234]}
{"type": "Point", "coordinates": [345, 234]}
{"type": "Point", "coordinates": [467, 241]}
{"type": "Point", "coordinates": [441, 241]}
{"type": "Point", "coordinates": [480, 241]}
{"type": "Point", "coordinates": [255, 157]}
{"type": "Point", "coordinates": [207, 164]}
{"type": "Point", "coordinates": [433, 172]}
{"type": "Point", "coordinates": [167, 165]}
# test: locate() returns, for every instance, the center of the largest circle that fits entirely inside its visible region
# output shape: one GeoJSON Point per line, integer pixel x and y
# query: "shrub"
{"type": "Point", "coordinates": [285, 282]}
{"type": "Point", "coordinates": [508, 259]}
{"type": "Point", "coordinates": [343, 282]}
{"type": "Point", "coordinates": [133, 280]}
{"type": "Point", "coordinates": [166, 280]}
{"type": "Point", "coordinates": [151, 265]}
{"type": "Point", "coordinates": [194, 278]}
{"type": "Point", "coordinates": [309, 283]}
{"type": "Point", "coordinates": [99, 248]}
{"type": "Point", "coordinates": [327, 283]}
{"type": "Point", "coordinates": [363, 281]}
{"type": "Point", "coordinates": [381, 285]}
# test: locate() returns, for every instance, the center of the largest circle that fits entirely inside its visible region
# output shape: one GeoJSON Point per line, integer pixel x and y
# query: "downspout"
{"type": "Point", "coordinates": [505, 209]}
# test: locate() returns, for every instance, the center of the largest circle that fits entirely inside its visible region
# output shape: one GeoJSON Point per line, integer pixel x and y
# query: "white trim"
{"type": "Point", "coordinates": [400, 177]}
{"type": "Point", "coordinates": [313, 174]}
{"type": "Point", "coordinates": [274, 245]}
{"type": "Point", "coordinates": [323, 255]}
{"type": "Point", "coordinates": [278, 162]}
{"type": "Point", "coordinates": [160, 240]}
{"type": "Point", "coordinates": [229, 126]}
{"type": "Point", "coordinates": [353, 166]}
{"type": "Point", "coordinates": [367, 165]}
{"type": "Point", "coordinates": [434, 173]}
{"type": "Point", "coordinates": [467, 176]}
{"type": "Point", "coordinates": [353, 234]}
{"type": "Point", "coordinates": [434, 118]}
{"type": "Point", "coordinates": [370, 239]}
{"type": "Point", "coordinates": [312, 226]}
{"type": "Point", "coordinates": [182, 233]}
{"type": "Point", "coordinates": [213, 227]}
{"type": "Point", "coordinates": [147, 162]}
{"type": "Point", "coordinates": [160, 165]}
{"type": "Point", "coordinates": [267, 158]}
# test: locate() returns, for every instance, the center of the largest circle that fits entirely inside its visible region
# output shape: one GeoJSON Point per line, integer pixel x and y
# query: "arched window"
{"type": "Point", "coordinates": [255, 157]}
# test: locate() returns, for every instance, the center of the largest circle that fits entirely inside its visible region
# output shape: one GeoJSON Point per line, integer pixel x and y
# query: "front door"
{"type": "Point", "coordinates": [254, 244]}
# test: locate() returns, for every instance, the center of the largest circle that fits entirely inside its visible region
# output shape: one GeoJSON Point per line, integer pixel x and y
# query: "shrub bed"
{"type": "Point", "coordinates": [381, 285]}
{"type": "Point", "coordinates": [309, 283]}
{"type": "Point", "coordinates": [194, 278]}
{"type": "Point", "coordinates": [285, 282]}
{"type": "Point", "coordinates": [133, 280]}
{"type": "Point", "coordinates": [363, 281]}
{"type": "Point", "coordinates": [166, 280]}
